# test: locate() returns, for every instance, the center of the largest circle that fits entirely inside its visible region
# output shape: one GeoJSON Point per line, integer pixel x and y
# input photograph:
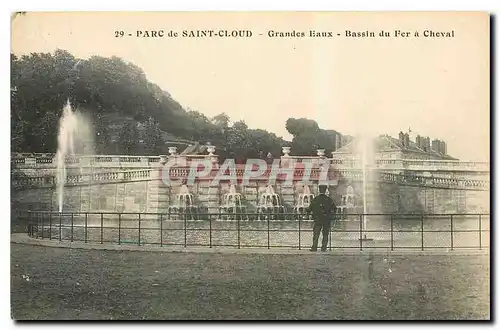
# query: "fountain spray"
{"type": "Point", "coordinates": [75, 135]}
{"type": "Point", "coordinates": [65, 146]}
{"type": "Point", "coordinates": [364, 169]}
{"type": "Point", "coordinates": [363, 144]}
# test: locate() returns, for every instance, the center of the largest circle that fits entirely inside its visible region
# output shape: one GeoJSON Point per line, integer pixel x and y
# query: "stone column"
{"type": "Point", "coordinates": [461, 201]}
{"type": "Point", "coordinates": [288, 196]}
{"type": "Point", "coordinates": [251, 194]}
{"type": "Point", "coordinates": [158, 192]}
{"type": "Point", "coordinates": [213, 197]}
{"type": "Point", "coordinates": [285, 159]}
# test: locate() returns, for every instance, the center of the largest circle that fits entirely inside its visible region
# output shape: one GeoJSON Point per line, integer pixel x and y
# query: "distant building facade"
{"type": "Point", "coordinates": [387, 147]}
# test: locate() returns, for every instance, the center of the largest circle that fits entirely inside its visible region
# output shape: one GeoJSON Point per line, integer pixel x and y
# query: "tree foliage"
{"type": "Point", "coordinates": [129, 114]}
{"type": "Point", "coordinates": [308, 137]}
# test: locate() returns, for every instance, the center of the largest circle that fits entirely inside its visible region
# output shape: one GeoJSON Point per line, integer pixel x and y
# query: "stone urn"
{"type": "Point", "coordinates": [172, 150]}
{"type": "Point", "coordinates": [321, 152]}
{"type": "Point", "coordinates": [286, 151]}
{"type": "Point", "coordinates": [210, 149]}
{"type": "Point", "coordinates": [163, 159]}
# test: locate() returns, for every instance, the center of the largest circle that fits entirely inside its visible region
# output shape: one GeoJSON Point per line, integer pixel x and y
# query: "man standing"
{"type": "Point", "coordinates": [323, 209]}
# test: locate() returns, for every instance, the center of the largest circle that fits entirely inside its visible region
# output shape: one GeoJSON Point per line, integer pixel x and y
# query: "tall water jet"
{"type": "Point", "coordinates": [365, 178]}
{"type": "Point", "coordinates": [365, 161]}
{"type": "Point", "coordinates": [74, 137]}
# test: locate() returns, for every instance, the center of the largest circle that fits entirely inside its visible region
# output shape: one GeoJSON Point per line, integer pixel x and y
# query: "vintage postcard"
{"type": "Point", "coordinates": [250, 166]}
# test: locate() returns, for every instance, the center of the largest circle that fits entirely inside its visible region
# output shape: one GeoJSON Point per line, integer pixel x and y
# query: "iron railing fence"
{"type": "Point", "coordinates": [244, 230]}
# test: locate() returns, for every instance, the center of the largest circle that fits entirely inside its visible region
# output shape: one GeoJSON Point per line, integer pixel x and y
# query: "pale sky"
{"type": "Point", "coordinates": [437, 87]}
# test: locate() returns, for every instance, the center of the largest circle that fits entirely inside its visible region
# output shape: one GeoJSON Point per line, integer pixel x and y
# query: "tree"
{"type": "Point", "coordinates": [152, 137]}
{"type": "Point", "coordinates": [308, 137]}
{"type": "Point", "coordinates": [129, 138]}
{"type": "Point", "coordinates": [301, 126]}
{"type": "Point", "coordinates": [102, 136]}
{"type": "Point", "coordinates": [221, 120]}
{"type": "Point", "coordinates": [124, 105]}
{"type": "Point", "coordinates": [199, 126]}
{"type": "Point", "coordinates": [238, 140]}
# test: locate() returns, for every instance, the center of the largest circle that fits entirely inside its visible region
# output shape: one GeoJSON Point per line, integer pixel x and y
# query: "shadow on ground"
{"type": "Point", "coordinates": [57, 283]}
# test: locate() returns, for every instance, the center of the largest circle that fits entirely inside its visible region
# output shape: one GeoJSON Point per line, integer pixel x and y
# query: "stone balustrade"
{"type": "Point", "coordinates": [49, 161]}
{"type": "Point", "coordinates": [83, 178]}
{"type": "Point", "coordinates": [137, 175]}
{"type": "Point", "coordinates": [406, 164]}
{"type": "Point", "coordinates": [182, 173]}
{"type": "Point", "coordinates": [446, 165]}
{"type": "Point", "coordinates": [416, 165]}
{"type": "Point", "coordinates": [435, 181]}
{"type": "Point", "coordinates": [339, 169]}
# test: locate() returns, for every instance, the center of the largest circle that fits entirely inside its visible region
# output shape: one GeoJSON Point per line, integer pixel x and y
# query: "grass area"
{"type": "Point", "coordinates": [95, 284]}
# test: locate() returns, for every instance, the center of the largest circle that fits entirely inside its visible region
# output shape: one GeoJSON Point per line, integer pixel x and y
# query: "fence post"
{"type": "Point", "coordinates": [210, 230]}
{"type": "Point", "coordinates": [185, 229]}
{"type": "Point", "coordinates": [50, 226]}
{"type": "Point", "coordinates": [139, 226]}
{"type": "Point", "coordinates": [392, 232]}
{"type": "Point", "coordinates": [238, 225]}
{"type": "Point", "coordinates": [361, 232]}
{"type": "Point", "coordinates": [60, 226]}
{"type": "Point", "coordinates": [300, 217]}
{"type": "Point", "coordinates": [86, 221]}
{"type": "Point", "coordinates": [72, 219]}
{"type": "Point", "coordinates": [161, 230]}
{"type": "Point", "coordinates": [102, 225]}
{"type": "Point", "coordinates": [422, 229]}
{"type": "Point", "coordinates": [268, 238]}
{"type": "Point", "coordinates": [34, 224]}
{"type": "Point", "coordinates": [30, 226]}
{"type": "Point", "coordinates": [480, 232]}
{"type": "Point", "coordinates": [451, 231]}
{"type": "Point", "coordinates": [42, 221]}
{"type": "Point", "coordinates": [119, 228]}
{"type": "Point", "coordinates": [330, 232]}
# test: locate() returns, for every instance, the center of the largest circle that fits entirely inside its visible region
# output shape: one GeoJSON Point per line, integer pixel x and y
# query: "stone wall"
{"type": "Point", "coordinates": [385, 197]}
{"type": "Point", "coordinates": [413, 199]}
{"type": "Point", "coordinates": [119, 197]}
{"type": "Point", "coordinates": [154, 196]}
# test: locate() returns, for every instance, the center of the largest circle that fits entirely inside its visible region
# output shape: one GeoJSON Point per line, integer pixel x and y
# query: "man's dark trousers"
{"type": "Point", "coordinates": [321, 225]}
